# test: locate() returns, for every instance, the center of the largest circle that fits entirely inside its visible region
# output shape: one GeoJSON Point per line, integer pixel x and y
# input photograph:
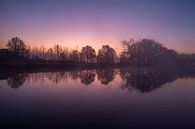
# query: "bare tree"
{"type": "Point", "coordinates": [57, 50]}
{"type": "Point", "coordinates": [17, 45]}
{"type": "Point", "coordinates": [50, 54]}
{"type": "Point", "coordinates": [65, 54]}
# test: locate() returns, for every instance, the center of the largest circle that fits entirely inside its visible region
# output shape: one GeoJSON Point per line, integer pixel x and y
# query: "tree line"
{"type": "Point", "coordinates": [142, 52]}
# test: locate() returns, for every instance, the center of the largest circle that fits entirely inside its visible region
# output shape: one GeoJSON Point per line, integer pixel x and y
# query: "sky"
{"type": "Point", "coordinates": [76, 23]}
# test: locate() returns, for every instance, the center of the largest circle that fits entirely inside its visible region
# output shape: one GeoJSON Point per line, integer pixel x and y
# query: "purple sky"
{"type": "Point", "coordinates": [75, 23]}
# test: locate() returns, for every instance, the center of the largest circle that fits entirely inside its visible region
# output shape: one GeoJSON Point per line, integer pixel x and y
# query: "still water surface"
{"type": "Point", "coordinates": [100, 98]}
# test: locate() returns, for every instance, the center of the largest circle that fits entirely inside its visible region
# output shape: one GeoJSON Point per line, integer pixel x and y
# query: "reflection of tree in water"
{"type": "Point", "coordinates": [74, 75]}
{"type": "Point", "coordinates": [106, 76]}
{"type": "Point", "coordinates": [148, 79]}
{"type": "Point", "coordinates": [57, 77]}
{"type": "Point", "coordinates": [87, 77]}
{"type": "Point", "coordinates": [17, 80]}
{"type": "Point", "coordinates": [142, 79]}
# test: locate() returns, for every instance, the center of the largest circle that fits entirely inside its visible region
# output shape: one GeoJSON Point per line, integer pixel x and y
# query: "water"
{"type": "Point", "coordinates": [98, 98]}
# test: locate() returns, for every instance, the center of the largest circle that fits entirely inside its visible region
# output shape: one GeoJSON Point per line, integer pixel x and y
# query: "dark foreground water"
{"type": "Point", "coordinates": [100, 98]}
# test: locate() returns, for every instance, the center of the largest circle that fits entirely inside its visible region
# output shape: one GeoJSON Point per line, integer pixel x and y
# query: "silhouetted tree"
{"type": "Point", "coordinates": [50, 54]}
{"type": "Point", "coordinates": [88, 54]}
{"type": "Point", "coordinates": [147, 52]}
{"type": "Point", "coordinates": [125, 54]}
{"type": "Point", "coordinates": [65, 54]}
{"type": "Point", "coordinates": [57, 50]}
{"type": "Point", "coordinates": [17, 45]}
{"type": "Point", "coordinates": [74, 56]}
{"type": "Point", "coordinates": [42, 52]}
{"type": "Point", "coordinates": [106, 55]}
{"type": "Point", "coordinates": [34, 52]}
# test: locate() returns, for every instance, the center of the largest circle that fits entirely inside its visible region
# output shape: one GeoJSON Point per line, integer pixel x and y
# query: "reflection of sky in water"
{"type": "Point", "coordinates": [43, 85]}
{"type": "Point", "coordinates": [72, 100]}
